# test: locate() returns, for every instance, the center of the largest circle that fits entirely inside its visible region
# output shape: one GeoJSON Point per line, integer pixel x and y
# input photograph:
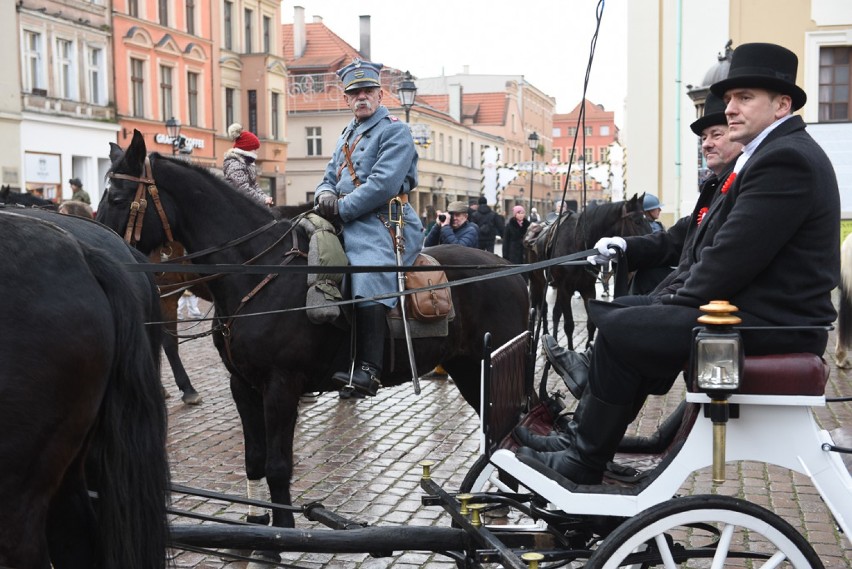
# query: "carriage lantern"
{"type": "Point", "coordinates": [718, 357]}
{"type": "Point", "coordinates": [718, 364]}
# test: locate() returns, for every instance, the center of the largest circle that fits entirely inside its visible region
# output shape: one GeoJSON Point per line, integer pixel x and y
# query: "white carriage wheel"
{"type": "Point", "coordinates": [742, 528]}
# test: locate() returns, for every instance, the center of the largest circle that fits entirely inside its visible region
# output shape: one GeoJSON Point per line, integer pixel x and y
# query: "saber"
{"type": "Point", "coordinates": [399, 248]}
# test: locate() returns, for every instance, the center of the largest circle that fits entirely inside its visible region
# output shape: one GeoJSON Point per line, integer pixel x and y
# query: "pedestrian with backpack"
{"type": "Point", "coordinates": [490, 225]}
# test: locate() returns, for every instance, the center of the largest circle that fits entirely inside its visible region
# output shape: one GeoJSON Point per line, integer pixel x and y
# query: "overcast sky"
{"type": "Point", "coordinates": [547, 41]}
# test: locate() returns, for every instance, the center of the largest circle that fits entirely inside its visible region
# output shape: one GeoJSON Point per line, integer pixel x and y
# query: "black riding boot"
{"type": "Point", "coordinates": [555, 442]}
{"type": "Point", "coordinates": [572, 367]}
{"type": "Point", "coordinates": [596, 439]}
{"type": "Point", "coordinates": [370, 326]}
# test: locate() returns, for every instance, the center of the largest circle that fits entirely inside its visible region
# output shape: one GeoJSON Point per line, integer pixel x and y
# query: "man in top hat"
{"type": "Point", "coordinates": [647, 254]}
{"type": "Point", "coordinates": [77, 191]}
{"type": "Point", "coordinates": [768, 241]}
{"type": "Point", "coordinates": [454, 227]}
{"type": "Point", "coordinates": [374, 161]}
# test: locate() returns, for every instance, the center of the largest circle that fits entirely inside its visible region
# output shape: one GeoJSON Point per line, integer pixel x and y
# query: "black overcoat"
{"type": "Point", "coordinates": [770, 246]}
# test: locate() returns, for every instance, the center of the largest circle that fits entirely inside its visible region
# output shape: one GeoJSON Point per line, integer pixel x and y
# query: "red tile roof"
{"type": "Point", "coordinates": [324, 50]}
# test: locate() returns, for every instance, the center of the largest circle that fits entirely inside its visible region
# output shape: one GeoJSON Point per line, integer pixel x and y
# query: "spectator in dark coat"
{"type": "Point", "coordinates": [490, 224]}
{"type": "Point", "coordinates": [513, 236]}
{"type": "Point", "coordinates": [454, 228]}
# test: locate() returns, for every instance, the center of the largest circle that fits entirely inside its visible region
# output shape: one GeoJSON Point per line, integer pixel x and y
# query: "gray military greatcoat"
{"type": "Point", "coordinates": [385, 162]}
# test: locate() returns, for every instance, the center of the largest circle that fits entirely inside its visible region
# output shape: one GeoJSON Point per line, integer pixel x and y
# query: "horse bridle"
{"type": "Point", "coordinates": [139, 205]}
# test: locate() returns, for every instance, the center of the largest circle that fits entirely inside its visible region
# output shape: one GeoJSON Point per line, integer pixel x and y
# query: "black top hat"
{"type": "Point", "coordinates": [763, 66]}
{"type": "Point", "coordinates": [714, 113]}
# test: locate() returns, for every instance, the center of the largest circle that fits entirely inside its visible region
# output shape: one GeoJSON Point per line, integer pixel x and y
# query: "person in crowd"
{"type": "Point", "coordinates": [454, 227]}
{"type": "Point", "coordinates": [736, 249]}
{"type": "Point", "coordinates": [490, 224]}
{"type": "Point", "coordinates": [534, 217]}
{"type": "Point", "coordinates": [240, 166]}
{"type": "Point", "coordinates": [77, 191]}
{"type": "Point", "coordinates": [653, 209]}
{"type": "Point", "coordinates": [356, 193]}
{"type": "Point", "coordinates": [513, 236]}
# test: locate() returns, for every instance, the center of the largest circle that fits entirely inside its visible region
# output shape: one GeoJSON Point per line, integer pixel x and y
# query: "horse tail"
{"type": "Point", "coordinates": [844, 313]}
{"type": "Point", "coordinates": [127, 461]}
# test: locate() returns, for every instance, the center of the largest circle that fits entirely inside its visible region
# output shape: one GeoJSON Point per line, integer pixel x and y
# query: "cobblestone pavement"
{"type": "Point", "coordinates": [359, 457]}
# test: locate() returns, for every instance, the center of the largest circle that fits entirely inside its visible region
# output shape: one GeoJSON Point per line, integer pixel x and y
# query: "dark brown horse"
{"type": "Point", "coordinates": [274, 356]}
{"type": "Point", "coordinates": [81, 406]}
{"type": "Point", "coordinates": [572, 233]}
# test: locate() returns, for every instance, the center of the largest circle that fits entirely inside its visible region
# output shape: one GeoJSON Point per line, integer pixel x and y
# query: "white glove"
{"type": "Point", "coordinates": [606, 247]}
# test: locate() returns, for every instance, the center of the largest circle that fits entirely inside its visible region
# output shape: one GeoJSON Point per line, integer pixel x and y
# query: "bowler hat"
{"type": "Point", "coordinates": [714, 113]}
{"type": "Point", "coordinates": [76, 182]}
{"type": "Point", "coordinates": [458, 207]}
{"type": "Point", "coordinates": [359, 74]}
{"type": "Point", "coordinates": [763, 66]}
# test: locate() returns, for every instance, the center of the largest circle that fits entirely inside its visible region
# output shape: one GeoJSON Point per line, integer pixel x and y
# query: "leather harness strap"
{"type": "Point", "coordinates": [139, 205]}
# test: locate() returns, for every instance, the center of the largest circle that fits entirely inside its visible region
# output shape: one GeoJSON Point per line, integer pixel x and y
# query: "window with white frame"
{"type": "Point", "coordinates": [192, 97]}
{"type": "Point", "coordinates": [275, 115]}
{"type": "Point", "coordinates": [190, 17]}
{"type": "Point", "coordinates": [65, 69]}
{"type": "Point", "coordinates": [834, 72]}
{"type": "Point", "coordinates": [267, 34]}
{"type": "Point", "coordinates": [137, 86]}
{"type": "Point", "coordinates": [604, 130]}
{"type": "Point", "coordinates": [95, 75]}
{"type": "Point", "coordinates": [248, 17]}
{"type": "Point", "coordinates": [314, 139]}
{"type": "Point", "coordinates": [164, 12]}
{"type": "Point", "coordinates": [229, 106]}
{"type": "Point", "coordinates": [33, 61]}
{"type": "Point", "coordinates": [228, 27]}
{"type": "Point", "coordinates": [166, 88]}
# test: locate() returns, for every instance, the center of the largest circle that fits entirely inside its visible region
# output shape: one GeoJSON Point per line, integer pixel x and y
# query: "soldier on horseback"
{"type": "Point", "coordinates": [375, 161]}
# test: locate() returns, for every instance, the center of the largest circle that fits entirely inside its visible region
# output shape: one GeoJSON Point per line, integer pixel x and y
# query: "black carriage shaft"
{"type": "Point", "coordinates": [376, 540]}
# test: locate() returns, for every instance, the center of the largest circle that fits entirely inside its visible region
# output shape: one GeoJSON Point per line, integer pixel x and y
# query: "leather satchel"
{"type": "Point", "coordinates": [427, 305]}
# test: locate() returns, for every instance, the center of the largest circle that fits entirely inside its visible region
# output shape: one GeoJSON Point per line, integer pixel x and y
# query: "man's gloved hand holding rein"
{"type": "Point", "coordinates": [607, 250]}
{"type": "Point", "coordinates": [327, 205]}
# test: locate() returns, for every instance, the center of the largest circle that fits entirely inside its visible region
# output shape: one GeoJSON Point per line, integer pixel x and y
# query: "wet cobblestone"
{"type": "Point", "coordinates": [360, 458]}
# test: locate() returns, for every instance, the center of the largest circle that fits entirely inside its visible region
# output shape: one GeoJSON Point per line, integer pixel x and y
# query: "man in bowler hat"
{"type": "Point", "coordinates": [374, 162]}
{"type": "Point", "coordinates": [768, 241]}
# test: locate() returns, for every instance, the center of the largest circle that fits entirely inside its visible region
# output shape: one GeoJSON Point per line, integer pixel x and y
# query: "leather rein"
{"type": "Point", "coordinates": [146, 185]}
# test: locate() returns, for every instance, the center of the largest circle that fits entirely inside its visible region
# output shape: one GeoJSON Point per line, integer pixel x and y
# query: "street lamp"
{"type": "Point", "coordinates": [173, 130]}
{"type": "Point", "coordinates": [532, 141]}
{"type": "Point", "coordinates": [406, 91]}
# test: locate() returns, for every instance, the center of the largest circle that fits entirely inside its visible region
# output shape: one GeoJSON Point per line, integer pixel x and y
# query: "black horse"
{"type": "Point", "coordinates": [168, 306]}
{"type": "Point", "coordinates": [577, 232]}
{"type": "Point", "coordinates": [26, 199]}
{"type": "Point", "coordinates": [81, 406]}
{"type": "Point", "coordinates": [274, 357]}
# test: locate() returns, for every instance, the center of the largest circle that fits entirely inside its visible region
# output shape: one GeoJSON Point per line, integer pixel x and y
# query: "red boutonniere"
{"type": "Point", "coordinates": [701, 213]}
{"type": "Point", "coordinates": [727, 185]}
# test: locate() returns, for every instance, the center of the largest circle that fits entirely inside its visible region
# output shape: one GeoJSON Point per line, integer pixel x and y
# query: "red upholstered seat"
{"type": "Point", "coordinates": [783, 374]}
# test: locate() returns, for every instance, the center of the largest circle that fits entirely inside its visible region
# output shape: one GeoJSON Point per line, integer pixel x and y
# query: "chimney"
{"type": "Point", "coordinates": [455, 93]}
{"type": "Point", "coordinates": [299, 38]}
{"type": "Point", "coordinates": [365, 37]}
{"type": "Point", "coordinates": [465, 69]}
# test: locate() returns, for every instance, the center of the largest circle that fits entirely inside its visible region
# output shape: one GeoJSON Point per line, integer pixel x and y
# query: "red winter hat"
{"type": "Point", "coordinates": [243, 139]}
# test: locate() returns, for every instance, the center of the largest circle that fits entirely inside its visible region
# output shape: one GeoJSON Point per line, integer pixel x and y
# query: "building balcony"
{"type": "Point", "coordinates": [38, 101]}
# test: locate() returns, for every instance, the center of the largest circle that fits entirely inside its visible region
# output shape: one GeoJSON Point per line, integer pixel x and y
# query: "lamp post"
{"type": "Point", "coordinates": [532, 141]}
{"type": "Point", "coordinates": [407, 91]}
{"type": "Point", "coordinates": [439, 183]}
{"type": "Point", "coordinates": [173, 130]}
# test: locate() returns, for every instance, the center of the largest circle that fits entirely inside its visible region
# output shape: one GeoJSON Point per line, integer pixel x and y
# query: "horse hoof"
{"type": "Point", "coordinates": [192, 398]}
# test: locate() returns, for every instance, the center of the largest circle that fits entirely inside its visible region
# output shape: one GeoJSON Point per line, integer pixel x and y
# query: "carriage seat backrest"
{"type": "Point", "coordinates": [783, 374]}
